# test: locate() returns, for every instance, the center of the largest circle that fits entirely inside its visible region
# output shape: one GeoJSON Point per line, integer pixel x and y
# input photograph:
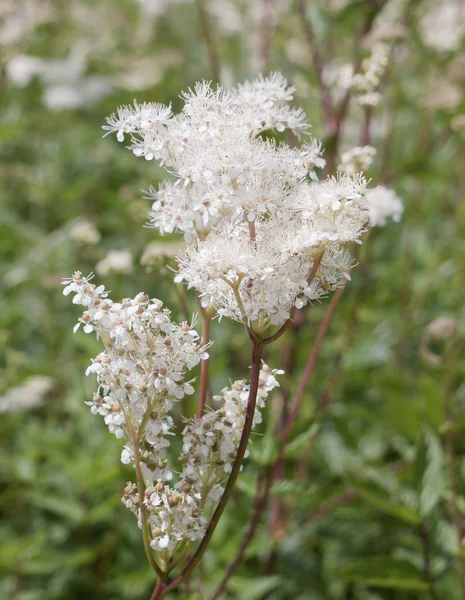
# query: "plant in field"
{"type": "Point", "coordinates": [264, 238]}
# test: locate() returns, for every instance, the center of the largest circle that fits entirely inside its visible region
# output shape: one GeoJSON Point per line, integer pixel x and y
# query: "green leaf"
{"type": "Point", "coordinates": [385, 572]}
{"type": "Point", "coordinates": [299, 443]}
{"type": "Point", "coordinates": [429, 471]}
{"type": "Point", "coordinates": [254, 589]}
{"type": "Point", "coordinates": [385, 504]}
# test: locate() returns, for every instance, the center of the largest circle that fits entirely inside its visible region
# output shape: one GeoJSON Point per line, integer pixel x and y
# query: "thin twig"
{"type": "Point", "coordinates": [318, 64]}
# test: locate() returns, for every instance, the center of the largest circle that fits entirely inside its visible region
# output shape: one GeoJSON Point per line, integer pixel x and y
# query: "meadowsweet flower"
{"type": "Point", "coordinates": [283, 267]}
{"type": "Point", "coordinates": [220, 165]}
{"type": "Point", "coordinates": [366, 82]}
{"type": "Point", "coordinates": [357, 159]}
{"type": "Point", "coordinates": [384, 203]}
{"type": "Point", "coordinates": [116, 261]}
{"type": "Point", "coordinates": [141, 372]}
{"type": "Point", "coordinates": [210, 443]}
{"type": "Point", "coordinates": [257, 221]}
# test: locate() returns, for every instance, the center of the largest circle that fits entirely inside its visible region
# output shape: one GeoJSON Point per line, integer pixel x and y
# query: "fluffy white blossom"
{"type": "Point", "coordinates": [357, 159]}
{"type": "Point", "coordinates": [384, 203]}
{"type": "Point", "coordinates": [220, 165]}
{"type": "Point", "coordinates": [366, 82]}
{"type": "Point", "coordinates": [264, 235]}
{"type": "Point", "coordinates": [116, 261]}
{"type": "Point", "coordinates": [285, 265]}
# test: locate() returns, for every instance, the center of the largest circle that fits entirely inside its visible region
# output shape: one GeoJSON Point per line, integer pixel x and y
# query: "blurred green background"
{"type": "Point", "coordinates": [372, 501]}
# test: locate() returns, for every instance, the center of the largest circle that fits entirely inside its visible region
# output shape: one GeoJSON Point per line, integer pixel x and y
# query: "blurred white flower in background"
{"type": "Point", "coordinates": [116, 261]}
{"type": "Point", "coordinates": [384, 203]}
{"type": "Point", "coordinates": [84, 231]}
{"type": "Point", "coordinates": [443, 26]}
{"type": "Point", "coordinates": [66, 86]}
{"type": "Point", "coordinates": [357, 159]}
{"type": "Point", "coordinates": [27, 395]}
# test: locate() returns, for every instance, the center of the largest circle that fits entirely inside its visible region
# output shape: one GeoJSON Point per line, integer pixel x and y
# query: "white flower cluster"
{"type": "Point", "coordinates": [357, 159]}
{"type": "Point", "coordinates": [210, 443]}
{"type": "Point", "coordinates": [85, 232]}
{"type": "Point", "coordinates": [141, 372]}
{"type": "Point", "coordinates": [116, 261]}
{"type": "Point", "coordinates": [265, 235]}
{"type": "Point", "coordinates": [29, 394]}
{"type": "Point", "coordinates": [443, 26]}
{"type": "Point", "coordinates": [222, 168]}
{"type": "Point", "coordinates": [140, 375]}
{"type": "Point", "coordinates": [174, 517]}
{"type": "Point", "coordinates": [209, 448]}
{"type": "Point", "coordinates": [295, 256]}
{"type": "Point", "coordinates": [366, 82]}
{"type": "Point", "coordinates": [384, 203]}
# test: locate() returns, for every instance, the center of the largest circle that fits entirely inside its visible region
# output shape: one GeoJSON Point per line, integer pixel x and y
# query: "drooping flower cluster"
{"type": "Point", "coordinates": [210, 443]}
{"type": "Point", "coordinates": [140, 374]}
{"type": "Point", "coordinates": [384, 203]}
{"type": "Point", "coordinates": [174, 512]}
{"type": "Point", "coordinates": [142, 370]}
{"type": "Point", "coordinates": [366, 82]}
{"type": "Point", "coordinates": [265, 236]}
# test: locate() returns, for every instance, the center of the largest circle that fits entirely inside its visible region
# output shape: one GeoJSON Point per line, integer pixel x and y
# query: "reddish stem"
{"type": "Point", "coordinates": [204, 365]}
{"type": "Point", "coordinates": [262, 499]}
{"type": "Point", "coordinates": [257, 350]}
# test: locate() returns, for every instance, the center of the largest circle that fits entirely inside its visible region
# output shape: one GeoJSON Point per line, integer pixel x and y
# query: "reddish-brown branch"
{"type": "Point", "coordinates": [262, 499]}
{"type": "Point", "coordinates": [204, 365]}
{"type": "Point", "coordinates": [308, 370]}
{"type": "Point", "coordinates": [257, 349]}
{"type": "Point", "coordinates": [156, 590]}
